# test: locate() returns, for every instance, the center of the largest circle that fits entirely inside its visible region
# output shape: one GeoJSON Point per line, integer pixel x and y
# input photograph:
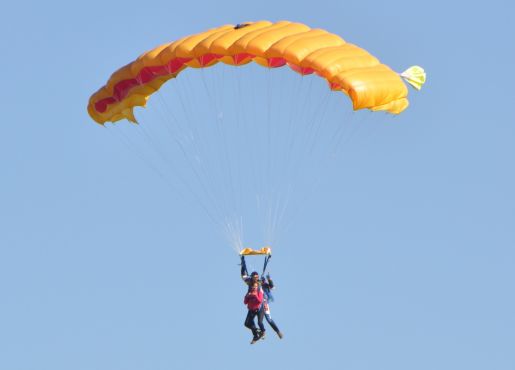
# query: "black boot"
{"type": "Point", "coordinates": [256, 336]}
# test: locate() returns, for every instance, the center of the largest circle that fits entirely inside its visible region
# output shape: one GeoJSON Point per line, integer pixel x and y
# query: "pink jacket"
{"type": "Point", "coordinates": [253, 299]}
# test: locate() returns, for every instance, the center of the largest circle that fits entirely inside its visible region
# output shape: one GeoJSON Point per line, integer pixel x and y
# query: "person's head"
{"type": "Point", "coordinates": [254, 286]}
{"type": "Point", "coordinates": [254, 276]}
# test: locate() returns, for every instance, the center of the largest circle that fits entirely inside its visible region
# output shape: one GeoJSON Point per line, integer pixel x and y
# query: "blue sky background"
{"type": "Point", "coordinates": [404, 259]}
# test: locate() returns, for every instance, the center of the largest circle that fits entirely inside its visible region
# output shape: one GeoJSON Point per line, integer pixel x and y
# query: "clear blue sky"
{"type": "Point", "coordinates": [404, 258]}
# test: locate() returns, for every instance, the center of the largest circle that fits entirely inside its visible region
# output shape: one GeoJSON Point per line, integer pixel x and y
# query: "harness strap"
{"type": "Point", "coordinates": [267, 258]}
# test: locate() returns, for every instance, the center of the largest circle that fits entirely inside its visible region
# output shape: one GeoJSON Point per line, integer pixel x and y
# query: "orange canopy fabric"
{"type": "Point", "coordinates": [346, 67]}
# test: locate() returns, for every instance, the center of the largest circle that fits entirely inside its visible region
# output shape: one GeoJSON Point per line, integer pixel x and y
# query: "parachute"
{"type": "Point", "coordinates": [259, 160]}
{"type": "Point", "coordinates": [346, 67]}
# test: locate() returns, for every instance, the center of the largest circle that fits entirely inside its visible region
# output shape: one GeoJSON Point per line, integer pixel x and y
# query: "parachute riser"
{"type": "Point", "coordinates": [267, 258]}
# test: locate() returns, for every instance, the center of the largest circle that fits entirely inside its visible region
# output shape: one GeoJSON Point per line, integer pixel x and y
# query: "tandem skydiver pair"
{"type": "Point", "coordinates": [258, 296]}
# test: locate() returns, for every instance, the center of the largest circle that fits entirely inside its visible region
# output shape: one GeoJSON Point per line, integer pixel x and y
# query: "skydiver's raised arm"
{"type": "Point", "coordinates": [244, 272]}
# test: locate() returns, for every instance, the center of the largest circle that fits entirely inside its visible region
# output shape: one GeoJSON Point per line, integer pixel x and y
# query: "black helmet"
{"type": "Point", "coordinates": [254, 273]}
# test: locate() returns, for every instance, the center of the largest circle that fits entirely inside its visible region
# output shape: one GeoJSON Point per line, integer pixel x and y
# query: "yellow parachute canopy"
{"type": "Point", "coordinates": [256, 252]}
{"type": "Point", "coordinates": [346, 67]}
